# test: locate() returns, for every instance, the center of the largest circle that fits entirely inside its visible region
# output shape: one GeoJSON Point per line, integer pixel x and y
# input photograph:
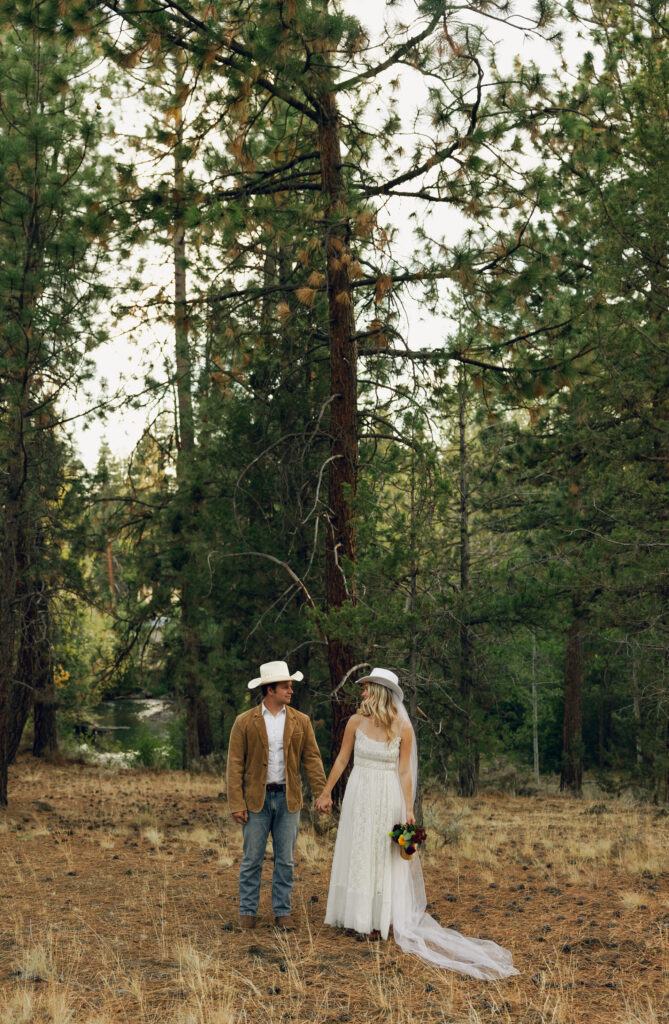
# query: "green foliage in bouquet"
{"type": "Point", "coordinates": [409, 837]}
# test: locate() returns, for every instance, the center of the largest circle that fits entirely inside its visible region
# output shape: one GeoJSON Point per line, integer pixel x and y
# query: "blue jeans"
{"type": "Point", "coordinates": [277, 819]}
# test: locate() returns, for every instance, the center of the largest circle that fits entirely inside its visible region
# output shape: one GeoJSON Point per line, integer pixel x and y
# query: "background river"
{"type": "Point", "coordinates": [128, 719]}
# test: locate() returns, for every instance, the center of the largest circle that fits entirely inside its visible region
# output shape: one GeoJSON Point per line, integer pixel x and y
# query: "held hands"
{"type": "Point", "coordinates": [323, 803]}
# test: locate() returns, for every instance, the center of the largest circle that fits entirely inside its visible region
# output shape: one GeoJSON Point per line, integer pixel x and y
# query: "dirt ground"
{"type": "Point", "coordinates": [118, 894]}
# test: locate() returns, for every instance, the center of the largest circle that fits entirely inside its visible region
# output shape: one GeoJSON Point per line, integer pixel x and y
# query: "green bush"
{"type": "Point", "coordinates": [152, 751]}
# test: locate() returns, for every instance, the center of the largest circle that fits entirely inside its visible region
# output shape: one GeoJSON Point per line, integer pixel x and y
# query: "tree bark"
{"type": "Point", "coordinates": [26, 614]}
{"type": "Point", "coordinates": [636, 704]}
{"type": "Point", "coordinates": [468, 770]}
{"type": "Point", "coordinates": [16, 466]}
{"type": "Point", "coordinates": [535, 711]}
{"type": "Point", "coordinates": [604, 723]}
{"type": "Point", "coordinates": [413, 637]}
{"type": "Point", "coordinates": [200, 740]}
{"type": "Point", "coordinates": [205, 734]}
{"type": "Point", "coordinates": [8, 589]}
{"type": "Point", "coordinates": [110, 575]}
{"type": "Point", "coordinates": [181, 326]}
{"type": "Point", "coordinates": [571, 777]}
{"type": "Point", "coordinates": [45, 739]}
{"type": "Point", "coordinates": [661, 751]}
{"type": "Point", "coordinates": [343, 471]}
{"type": "Point", "coordinates": [19, 709]}
{"type": "Point", "coordinates": [40, 657]}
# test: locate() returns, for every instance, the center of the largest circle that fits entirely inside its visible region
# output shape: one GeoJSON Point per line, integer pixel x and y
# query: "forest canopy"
{"type": "Point", "coordinates": [403, 298]}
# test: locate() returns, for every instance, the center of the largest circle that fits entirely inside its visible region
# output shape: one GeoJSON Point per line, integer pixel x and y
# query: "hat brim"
{"type": "Point", "coordinates": [296, 677]}
{"type": "Point", "coordinates": [393, 687]}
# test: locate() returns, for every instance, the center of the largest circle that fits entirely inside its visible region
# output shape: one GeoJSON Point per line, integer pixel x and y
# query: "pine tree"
{"type": "Point", "coordinates": [296, 66]}
{"type": "Point", "coordinates": [579, 325]}
{"type": "Point", "coordinates": [51, 221]}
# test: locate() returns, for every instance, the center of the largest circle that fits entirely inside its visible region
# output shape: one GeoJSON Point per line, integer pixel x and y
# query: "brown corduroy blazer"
{"type": "Point", "coordinates": [248, 754]}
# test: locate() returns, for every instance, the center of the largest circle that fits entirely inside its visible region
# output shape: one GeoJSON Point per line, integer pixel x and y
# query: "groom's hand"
{"type": "Point", "coordinates": [241, 817]}
{"type": "Point", "coordinates": [323, 804]}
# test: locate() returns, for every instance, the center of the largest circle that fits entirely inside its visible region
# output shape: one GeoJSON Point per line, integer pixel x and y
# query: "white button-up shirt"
{"type": "Point", "coordinates": [275, 725]}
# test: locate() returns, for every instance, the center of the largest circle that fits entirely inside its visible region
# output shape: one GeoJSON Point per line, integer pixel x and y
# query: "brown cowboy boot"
{"type": "Point", "coordinates": [286, 922]}
{"type": "Point", "coordinates": [247, 922]}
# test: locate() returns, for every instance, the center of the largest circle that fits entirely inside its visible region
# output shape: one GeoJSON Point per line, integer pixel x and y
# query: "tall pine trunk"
{"type": "Point", "coordinates": [45, 739]}
{"type": "Point", "coordinates": [34, 675]}
{"type": "Point", "coordinates": [571, 777]}
{"type": "Point", "coordinates": [19, 708]}
{"type": "Point", "coordinates": [110, 576]}
{"type": "Point", "coordinates": [200, 742]}
{"type": "Point", "coordinates": [661, 751]}
{"type": "Point", "coordinates": [25, 615]}
{"type": "Point", "coordinates": [8, 592]}
{"type": "Point", "coordinates": [15, 469]}
{"type": "Point", "coordinates": [535, 711]}
{"type": "Point", "coordinates": [468, 768]}
{"type": "Point", "coordinates": [343, 478]}
{"type": "Point", "coordinates": [636, 705]}
{"type": "Point", "coordinates": [605, 729]}
{"type": "Point", "coordinates": [413, 635]}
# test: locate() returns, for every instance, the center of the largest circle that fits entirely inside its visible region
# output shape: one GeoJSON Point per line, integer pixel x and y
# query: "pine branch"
{"type": "Point", "coordinates": [189, 22]}
{"type": "Point", "coordinates": [400, 52]}
{"type": "Point", "coordinates": [436, 355]}
{"type": "Point", "coordinates": [415, 172]}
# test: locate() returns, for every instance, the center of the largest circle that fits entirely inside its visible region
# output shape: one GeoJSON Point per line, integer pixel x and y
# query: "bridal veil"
{"type": "Point", "coordinates": [415, 931]}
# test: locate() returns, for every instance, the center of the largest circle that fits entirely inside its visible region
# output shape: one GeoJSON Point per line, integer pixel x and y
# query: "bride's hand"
{"type": "Point", "coordinates": [411, 820]}
{"type": "Point", "coordinates": [323, 803]}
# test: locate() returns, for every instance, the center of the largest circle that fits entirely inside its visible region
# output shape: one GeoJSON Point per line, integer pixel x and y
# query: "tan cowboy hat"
{"type": "Point", "coordinates": [274, 672]}
{"type": "Point", "coordinates": [384, 677]}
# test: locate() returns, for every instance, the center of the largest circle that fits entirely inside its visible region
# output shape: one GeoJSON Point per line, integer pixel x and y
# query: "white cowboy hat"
{"type": "Point", "coordinates": [384, 677]}
{"type": "Point", "coordinates": [275, 672]}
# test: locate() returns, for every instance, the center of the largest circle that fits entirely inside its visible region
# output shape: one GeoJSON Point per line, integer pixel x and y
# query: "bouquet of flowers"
{"type": "Point", "coordinates": [408, 838]}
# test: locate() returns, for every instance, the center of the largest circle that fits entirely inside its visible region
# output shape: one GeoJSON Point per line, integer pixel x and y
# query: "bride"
{"type": "Point", "coordinates": [371, 886]}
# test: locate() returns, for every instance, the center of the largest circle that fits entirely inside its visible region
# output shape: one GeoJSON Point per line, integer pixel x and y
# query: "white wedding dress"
{"type": "Point", "coordinates": [372, 887]}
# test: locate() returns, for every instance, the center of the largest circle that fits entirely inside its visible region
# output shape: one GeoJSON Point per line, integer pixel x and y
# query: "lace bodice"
{"type": "Point", "coordinates": [381, 755]}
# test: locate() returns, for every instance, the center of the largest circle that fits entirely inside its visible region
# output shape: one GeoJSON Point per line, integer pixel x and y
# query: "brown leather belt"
{"type": "Point", "coordinates": [276, 787]}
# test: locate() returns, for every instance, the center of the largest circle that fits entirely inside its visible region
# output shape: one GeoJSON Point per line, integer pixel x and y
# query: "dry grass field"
{"type": "Point", "coordinates": [118, 893]}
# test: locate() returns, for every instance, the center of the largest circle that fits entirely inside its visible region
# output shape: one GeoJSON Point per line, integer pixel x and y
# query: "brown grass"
{"type": "Point", "coordinates": [119, 907]}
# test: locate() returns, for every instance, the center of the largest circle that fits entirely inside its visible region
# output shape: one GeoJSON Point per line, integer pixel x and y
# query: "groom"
{"type": "Point", "coordinates": [268, 745]}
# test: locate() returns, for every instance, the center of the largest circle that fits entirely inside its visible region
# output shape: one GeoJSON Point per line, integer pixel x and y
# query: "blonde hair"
{"type": "Point", "coordinates": [380, 705]}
